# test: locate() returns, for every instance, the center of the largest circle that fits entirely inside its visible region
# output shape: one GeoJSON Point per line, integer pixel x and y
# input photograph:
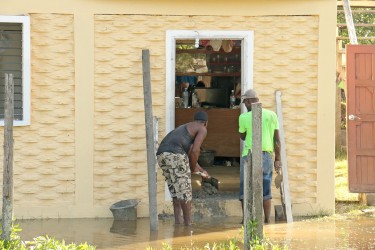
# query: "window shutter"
{"type": "Point", "coordinates": [11, 62]}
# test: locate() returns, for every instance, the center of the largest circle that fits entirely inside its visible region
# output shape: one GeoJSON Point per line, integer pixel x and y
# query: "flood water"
{"type": "Point", "coordinates": [327, 233]}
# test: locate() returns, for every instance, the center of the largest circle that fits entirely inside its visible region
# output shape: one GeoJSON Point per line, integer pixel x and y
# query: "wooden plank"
{"type": "Point", "coordinates": [355, 3]}
{"type": "Point", "coordinates": [358, 38]}
{"type": "Point", "coordinates": [357, 11]}
{"type": "Point", "coordinates": [248, 200]}
{"type": "Point", "coordinates": [151, 158]}
{"type": "Point", "coordinates": [356, 25]}
{"type": "Point", "coordinates": [349, 21]}
{"type": "Point", "coordinates": [7, 214]}
{"type": "Point", "coordinates": [284, 167]}
{"type": "Point", "coordinates": [253, 181]}
{"type": "Point", "coordinates": [257, 166]}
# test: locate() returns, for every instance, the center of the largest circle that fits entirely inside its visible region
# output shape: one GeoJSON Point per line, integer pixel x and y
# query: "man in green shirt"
{"type": "Point", "coordinates": [270, 145]}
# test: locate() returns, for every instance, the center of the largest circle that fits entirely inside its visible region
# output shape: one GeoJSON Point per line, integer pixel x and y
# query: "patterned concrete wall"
{"type": "Point", "coordinates": [120, 166]}
{"type": "Point", "coordinates": [286, 58]}
{"type": "Point", "coordinates": [286, 55]}
{"type": "Point", "coordinates": [44, 173]}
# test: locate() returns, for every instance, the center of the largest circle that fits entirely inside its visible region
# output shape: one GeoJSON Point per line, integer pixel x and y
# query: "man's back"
{"type": "Point", "coordinates": [269, 125]}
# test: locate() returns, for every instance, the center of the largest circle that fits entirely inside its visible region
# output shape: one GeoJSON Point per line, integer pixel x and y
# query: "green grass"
{"type": "Point", "coordinates": [341, 178]}
{"type": "Point", "coordinates": [39, 243]}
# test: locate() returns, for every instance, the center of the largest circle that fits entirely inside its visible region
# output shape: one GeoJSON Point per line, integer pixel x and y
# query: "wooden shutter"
{"type": "Point", "coordinates": [11, 62]}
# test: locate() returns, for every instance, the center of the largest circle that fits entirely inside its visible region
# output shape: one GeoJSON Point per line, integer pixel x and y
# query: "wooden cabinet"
{"type": "Point", "coordinates": [222, 129]}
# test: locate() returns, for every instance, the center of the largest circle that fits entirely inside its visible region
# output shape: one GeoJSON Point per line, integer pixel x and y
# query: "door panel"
{"type": "Point", "coordinates": [361, 117]}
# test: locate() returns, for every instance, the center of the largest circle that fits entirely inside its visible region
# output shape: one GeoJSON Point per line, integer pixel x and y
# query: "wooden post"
{"type": "Point", "coordinates": [349, 22]}
{"type": "Point", "coordinates": [8, 159]}
{"type": "Point", "coordinates": [151, 158]}
{"type": "Point", "coordinates": [248, 200]}
{"type": "Point", "coordinates": [257, 162]}
{"type": "Point", "coordinates": [253, 181]}
{"type": "Point", "coordinates": [284, 167]}
{"type": "Point", "coordinates": [156, 144]}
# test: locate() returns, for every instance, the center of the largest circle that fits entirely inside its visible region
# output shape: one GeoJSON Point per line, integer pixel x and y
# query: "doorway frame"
{"type": "Point", "coordinates": [247, 61]}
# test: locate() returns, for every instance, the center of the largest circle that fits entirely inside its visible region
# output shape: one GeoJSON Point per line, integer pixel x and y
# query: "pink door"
{"type": "Point", "coordinates": [360, 74]}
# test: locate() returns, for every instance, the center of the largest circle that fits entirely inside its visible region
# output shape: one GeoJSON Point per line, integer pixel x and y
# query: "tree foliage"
{"type": "Point", "coordinates": [360, 16]}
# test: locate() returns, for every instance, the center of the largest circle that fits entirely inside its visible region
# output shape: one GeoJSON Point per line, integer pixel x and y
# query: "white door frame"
{"type": "Point", "coordinates": [247, 55]}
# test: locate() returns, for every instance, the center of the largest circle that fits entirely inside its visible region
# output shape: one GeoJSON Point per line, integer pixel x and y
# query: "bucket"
{"type": "Point", "coordinates": [206, 158]}
{"type": "Point", "coordinates": [125, 210]}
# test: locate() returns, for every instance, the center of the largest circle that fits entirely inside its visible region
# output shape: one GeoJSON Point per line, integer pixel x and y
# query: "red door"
{"type": "Point", "coordinates": [360, 75]}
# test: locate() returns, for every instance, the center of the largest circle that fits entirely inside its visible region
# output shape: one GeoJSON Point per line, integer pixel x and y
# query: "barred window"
{"type": "Point", "coordinates": [15, 59]}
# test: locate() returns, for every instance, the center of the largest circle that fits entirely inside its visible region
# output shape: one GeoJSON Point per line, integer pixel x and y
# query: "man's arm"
{"type": "Point", "coordinates": [241, 128]}
{"type": "Point", "coordinates": [243, 136]}
{"type": "Point", "coordinates": [196, 149]}
{"type": "Point", "coordinates": [276, 145]}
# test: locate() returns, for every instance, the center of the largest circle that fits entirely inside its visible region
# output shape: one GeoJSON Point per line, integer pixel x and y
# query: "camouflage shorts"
{"type": "Point", "coordinates": [176, 171]}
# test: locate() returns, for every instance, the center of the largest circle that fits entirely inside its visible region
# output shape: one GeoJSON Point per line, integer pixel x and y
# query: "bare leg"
{"type": "Point", "coordinates": [177, 211]}
{"type": "Point", "coordinates": [186, 210]}
{"type": "Point", "coordinates": [267, 210]}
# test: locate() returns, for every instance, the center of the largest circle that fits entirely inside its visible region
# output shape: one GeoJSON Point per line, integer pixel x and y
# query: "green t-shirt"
{"type": "Point", "coordinates": [270, 123]}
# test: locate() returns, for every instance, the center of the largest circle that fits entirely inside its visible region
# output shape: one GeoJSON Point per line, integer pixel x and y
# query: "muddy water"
{"type": "Point", "coordinates": [338, 233]}
{"type": "Point", "coordinates": [110, 234]}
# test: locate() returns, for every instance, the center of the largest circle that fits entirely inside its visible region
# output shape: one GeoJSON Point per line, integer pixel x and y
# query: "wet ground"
{"type": "Point", "coordinates": [337, 232]}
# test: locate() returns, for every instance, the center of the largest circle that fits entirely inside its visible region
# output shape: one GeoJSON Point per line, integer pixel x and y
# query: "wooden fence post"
{"type": "Point", "coordinates": [248, 200]}
{"type": "Point", "coordinates": [8, 159]}
{"type": "Point", "coordinates": [151, 158]}
{"type": "Point", "coordinates": [257, 162]}
{"type": "Point", "coordinates": [253, 181]}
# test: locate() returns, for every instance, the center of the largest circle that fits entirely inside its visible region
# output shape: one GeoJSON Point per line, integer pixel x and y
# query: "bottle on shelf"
{"type": "Point", "coordinates": [194, 100]}
{"type": "Point", "coordinates": [185, 97]}
{"type": "Point", "coordinates": [232, 99]}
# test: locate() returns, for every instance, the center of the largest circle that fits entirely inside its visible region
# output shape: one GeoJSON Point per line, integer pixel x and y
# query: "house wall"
{"type": "Point", "coordinates": [85, 147]}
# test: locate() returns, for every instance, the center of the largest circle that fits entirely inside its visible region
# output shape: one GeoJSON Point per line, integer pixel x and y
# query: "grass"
{"type": "Point", "coordinates": [39, 243]}
{"type": "Point", "coordinates": [342, 193]}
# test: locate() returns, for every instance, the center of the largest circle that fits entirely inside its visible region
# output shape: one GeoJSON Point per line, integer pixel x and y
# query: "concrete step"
{"type": "Point", "coordinates": [222, 203]}
{"type": "Point", "coordinates": [211, 207]}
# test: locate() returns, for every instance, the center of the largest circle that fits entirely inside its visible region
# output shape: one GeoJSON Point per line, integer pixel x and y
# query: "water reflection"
{"type": "Point", "coordinates": [338, 233]}
{"type": "Point", "coordinates": [124, 227]}
{"type": "Point", "coordinates": [109, 234]}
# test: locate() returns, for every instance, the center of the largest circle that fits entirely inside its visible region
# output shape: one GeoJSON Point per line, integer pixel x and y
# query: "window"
{"type": "Point", "coordinates": [15, 59]}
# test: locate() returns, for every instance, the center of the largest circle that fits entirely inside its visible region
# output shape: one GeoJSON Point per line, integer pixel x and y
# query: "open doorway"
{"type": "Point", "coordinates": [210, 65]}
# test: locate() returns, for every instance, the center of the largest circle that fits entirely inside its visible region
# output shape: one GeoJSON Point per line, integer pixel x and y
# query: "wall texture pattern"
{"type": "Point", "coordinates": [44, 170]}
{"type": "Point", "coordinates": [286, 59]}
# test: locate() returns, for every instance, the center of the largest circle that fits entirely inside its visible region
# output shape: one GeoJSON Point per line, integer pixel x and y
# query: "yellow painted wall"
{"type": "Point", "coordinates": [85, 148]}
{"type": "Point", "coordinates": [44, 152]}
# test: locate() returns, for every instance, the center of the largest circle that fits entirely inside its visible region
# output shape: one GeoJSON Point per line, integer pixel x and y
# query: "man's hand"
{"type": "Point", "coordinates": [200, 171]}
{"type": "Point", "coordinates": [277, 165]}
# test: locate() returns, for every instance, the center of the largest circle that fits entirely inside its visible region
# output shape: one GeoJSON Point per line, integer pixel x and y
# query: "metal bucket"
{"type": "Point", "coordinates": [125, 210]}
{"type": "Point", "coordinates": [206, 158]}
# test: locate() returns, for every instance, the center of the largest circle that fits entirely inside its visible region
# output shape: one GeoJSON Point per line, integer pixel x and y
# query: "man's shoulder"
{"type": "Point", "coordinates": [268, 112]}
{"type": "Point", "coordinates": [245, 115]}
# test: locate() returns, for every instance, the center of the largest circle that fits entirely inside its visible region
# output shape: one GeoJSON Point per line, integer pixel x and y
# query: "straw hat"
{"type": "Point", "coordinates": [215, 44]}
{"type": "Point", "coordinates": [227, 45]}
